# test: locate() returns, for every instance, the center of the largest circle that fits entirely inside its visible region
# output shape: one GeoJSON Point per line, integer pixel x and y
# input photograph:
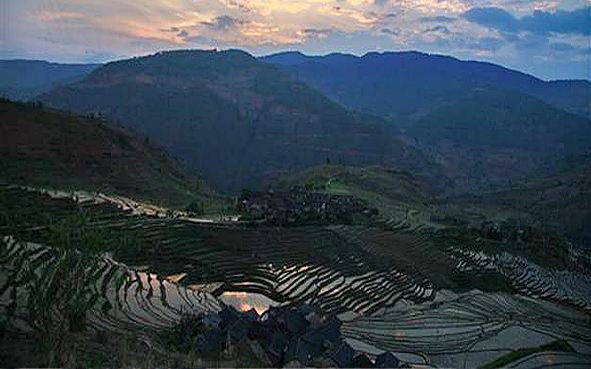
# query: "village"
{"type": "Point", "coordinates": [292, 336]}
{"type": "Point", "coordinates": [300, 207]}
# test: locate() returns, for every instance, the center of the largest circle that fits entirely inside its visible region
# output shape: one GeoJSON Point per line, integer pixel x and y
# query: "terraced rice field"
{"type": "Point", "coordinates": [373, 272]}
{"type": "Point", "coordinates": [125, 300]}
{"type": "Point", "coordinates": [456, 325]}
{"type": "Point", "coordinates": [328, 265]}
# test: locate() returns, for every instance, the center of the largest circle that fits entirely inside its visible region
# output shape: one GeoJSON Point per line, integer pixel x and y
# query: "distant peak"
{"type": "Point", "coordinates": [199, 53]}
{"type": "Point", "coordinates": [412, 54]}
{"type": "Point", "coordinates": [297, 57]}
{"type": "Point", "coordinates": [286, 58]}
{"type": "Point", "coordinates": [284, 53]}
{"type": "Point", "coordinates": [188, 58]}
{"type": "Point", "coordinates": [237, 52]}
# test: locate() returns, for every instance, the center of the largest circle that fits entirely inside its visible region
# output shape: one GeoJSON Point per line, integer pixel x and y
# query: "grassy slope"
{"type": "Point", "coordinates": [395, 193]}
{"type": "Point", "coordinates": [406, 201]}
{"type": "Point", "coordinates": [42, 147]}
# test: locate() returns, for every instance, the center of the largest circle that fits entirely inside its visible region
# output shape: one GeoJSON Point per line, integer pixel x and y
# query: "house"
{"type": "Point", "coordinates": [295, 323]}
{"type": "Point", "coordinates": [342, 354]}
{"type": "Point", "coordinates": [387, 360]}
{"type": "Point", "coordinates": [361, 361]}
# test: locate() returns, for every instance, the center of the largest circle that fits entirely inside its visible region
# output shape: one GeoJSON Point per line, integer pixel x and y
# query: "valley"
{"type": "Point", "coordinates": [201, 208]}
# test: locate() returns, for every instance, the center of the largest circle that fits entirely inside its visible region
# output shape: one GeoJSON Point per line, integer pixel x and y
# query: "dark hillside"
{"type": "Point", "coordinates": [497, 118]}
{"type": "Point", "coordinates": [42, 147]}
{"type": "Point", "coordinates": [559, 197]}
{"type": "Point", "coordinates": [493, 137]}
{"type": "Point", "coordinates": [238, 121]}
{"type": "Point", "coordinates": [482, 123]}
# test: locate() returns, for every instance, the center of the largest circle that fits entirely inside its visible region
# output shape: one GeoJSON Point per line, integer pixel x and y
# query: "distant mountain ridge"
{"type": "Point", "coordinates": [25, 79]}
{"type": "Point", "coordinates": [227, 115]}
{"type": "Point", "coordinates": [405, 84]}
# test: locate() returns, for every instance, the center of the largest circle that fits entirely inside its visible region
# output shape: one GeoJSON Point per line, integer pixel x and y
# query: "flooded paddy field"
{"type": "Point", "coordinates": [430, 301]}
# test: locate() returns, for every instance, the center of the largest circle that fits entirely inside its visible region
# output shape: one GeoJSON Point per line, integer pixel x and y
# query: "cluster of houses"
{"type": "Point", "coordinates": [517, 230]}
{"type": "Point", "coordinates": [291, 336]}
{"type": "Point", "coordinates": [301, 207]}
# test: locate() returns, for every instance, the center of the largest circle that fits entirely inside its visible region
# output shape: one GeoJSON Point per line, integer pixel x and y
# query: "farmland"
{"type": "Point", "coordinates": [429, 295]}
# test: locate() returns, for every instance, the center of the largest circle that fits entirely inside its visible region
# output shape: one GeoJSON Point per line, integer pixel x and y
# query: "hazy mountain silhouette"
{"type": "Point", "coordinates": [408, 84]}
{"type": "Point", "coordinates": [25, 79]}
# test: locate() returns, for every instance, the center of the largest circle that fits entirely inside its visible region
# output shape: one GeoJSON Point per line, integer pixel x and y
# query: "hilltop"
{"type": "Point", "coordinates": [399, 196]}
{"type": "Point", "coordinates": [244, 122]}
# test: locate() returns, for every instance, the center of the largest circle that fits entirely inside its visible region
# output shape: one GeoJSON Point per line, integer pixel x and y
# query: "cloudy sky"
{"type": "Point", "coordinates": [550, 39]}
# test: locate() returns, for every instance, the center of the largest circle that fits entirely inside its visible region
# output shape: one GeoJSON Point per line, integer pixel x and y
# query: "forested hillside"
{"type": "Point", "coordinates": [227, 115]}
{"type": "Point", "coordinates": [50, 148]}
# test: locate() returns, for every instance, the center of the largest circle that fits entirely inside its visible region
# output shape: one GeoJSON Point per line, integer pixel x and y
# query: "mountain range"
{"type": "Point", "coordinates": [243, 122]}
{"type": "Point", "coordinates": [232, 118]}
{"type": "Point", "coordinates": [402, 85]}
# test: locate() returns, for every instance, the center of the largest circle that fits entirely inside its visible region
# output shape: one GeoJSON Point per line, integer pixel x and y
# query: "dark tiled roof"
{"type": "Point", "coordinates": [228, 315]}
{"type": "Point", "coordinates": [342, 354]}
{"type": "Point", "coordinates": [387, 360]}
{"type": "Point", "coordinates": [361, 361]}
{"type": "Point", "coordinates": [251, 314]}
{"type": "Point", "coordinates": [277, 345]}
{"type": "Point", "coordinates": [211, 341]}
{"type": "Point", "coordinates": [304, 308]}
{"type": "Point", "coordinates": [239, 329]}
{"type": "Point", "coordinates": [306, 351]}
{"type": "Point", "coordinates": [260, 330]}
{"type": "Point", "coordinates": [294, 322]}
{"type": "Point", "coordinates": [330, 331]}
{"type": "Point", "coordinates": [272, 314]}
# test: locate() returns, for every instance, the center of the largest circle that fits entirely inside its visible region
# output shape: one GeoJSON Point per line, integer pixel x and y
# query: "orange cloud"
{"type": "Point", "coordinates": [436, 6]}
{"type": "Point", "coordinates": [50, 16]}
{"type": "Point", "coordinates": [353, 14]}
{"type": "Point", "coordinates": [267, 7]}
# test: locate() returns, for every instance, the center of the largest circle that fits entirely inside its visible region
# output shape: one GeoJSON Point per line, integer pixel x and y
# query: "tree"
{"type": "Point", "coordinates": [196, 207]}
